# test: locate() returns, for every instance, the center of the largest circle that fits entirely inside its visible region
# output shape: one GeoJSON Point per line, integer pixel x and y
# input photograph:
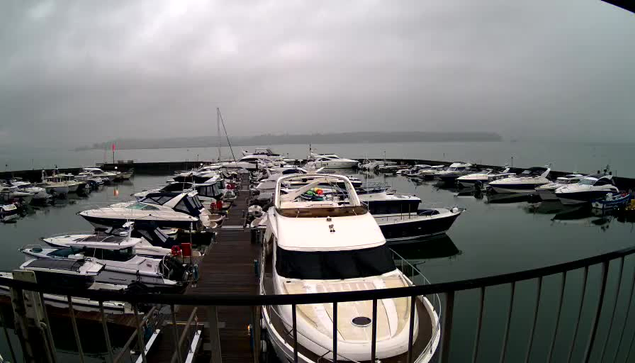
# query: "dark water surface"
{"type": "Point", "coordinates": [491, 237]}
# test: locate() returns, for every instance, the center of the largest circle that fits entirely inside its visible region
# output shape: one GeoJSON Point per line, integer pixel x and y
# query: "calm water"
{"type": "Point", "coordinates": [489, 238]}
{"type": "Point", "coordinates": [568, 156]}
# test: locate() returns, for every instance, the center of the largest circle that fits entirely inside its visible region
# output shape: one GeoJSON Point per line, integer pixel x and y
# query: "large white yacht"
{"type": "Point", "coordinates": [107, 176]}
{"type": "Point", "coordinates": [525, 183]}
{"type": "Point", "coordinates": [330, 161]}
{"type": "Point", "coordinates": [454, 171]}
{"type": "Point", "coordinates": [587, 190]}
{"type": "Point", "coordinates": [165, 210]}
{"type": "Point", "coordinates": [484, 177]}
{"type": "Point", "coordinates": [400, 217]}
{"type": "Point", "coordinates": [330, 245]}
{"type": "Point", "coordinates": [548, 191]}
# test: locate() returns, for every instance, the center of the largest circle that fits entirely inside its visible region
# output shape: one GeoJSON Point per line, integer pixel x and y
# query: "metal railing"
{"type": "Point", "coordinates": [604, 304]}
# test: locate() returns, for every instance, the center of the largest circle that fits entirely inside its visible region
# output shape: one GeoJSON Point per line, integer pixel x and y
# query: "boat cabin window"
{"type": "Point", "coordinates": [603, 181]}
{"type": "Point", "coordinates": [207, 191]}
{"type": "Point", "coordinates": [334, 265]}
{"type": "Point", "coordinates": [249, 159]}
{"type": "Point", "coordinates": [157, 199]}
{"type": "Point", "coordinates": [189, 205]}
{"type": "Point", "coordinates": [111, 255]}
{"type": "Point", "coordinates": [177, 187]}
{"type": "Point", "coordinates": [142, 206]}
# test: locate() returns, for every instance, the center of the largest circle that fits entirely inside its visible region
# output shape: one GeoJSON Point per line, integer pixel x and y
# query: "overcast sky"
{"type": "Point", "coordinates": [78, 72]}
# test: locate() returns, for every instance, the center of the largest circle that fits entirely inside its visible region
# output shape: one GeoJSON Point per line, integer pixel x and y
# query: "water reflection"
{"type": "Point", "coordinates": [546, 207]}
{"type": "Point", "coordinates": [424, 249]}
{"type": "Point", "coordinates": [507, 198]}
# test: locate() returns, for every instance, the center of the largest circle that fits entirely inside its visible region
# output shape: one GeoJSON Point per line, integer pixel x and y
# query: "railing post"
{"type": "Point", "coordinates": [140, 341]}
{"type": "Point", "coordinates": [446, 330]}
{"type": "Point", "coordinates": [577, 322]}
{"type": "Point", "coordinates": [255, 331]}
{"type": "Point", "coordinates": [598, 313]}
{"type": "Point", "coordinates": [508, 323]}
{"type": "Point", "coordinates": [411, 327]}
{"type": "Point", "coordinates": [3, 321]}
{"type": "Point", "coordinates": [535, 320]}
{"type": "Point", "coordinates": [104, 325]}
{"type": "Point", "coordinates": [335, 332]}
{"type": "Point", "coordinates": [617, 295]}
{"type": "Point", "coordinates": [294, 319]}
{"type": "Point", "coordinates": [214, 335]}
{"type": "Point", "coordinates": [373, 342]}
{"type": "Point", "coordinates": [555, 331]}
{"type": "Point", "coordinates": [75, 330]}
{"type": "Point", "coordinates": [175, 332]}
{"type": "Point", "coordinates": [627, 315]}
{"type": "Point", "coordinates": [479, 324]}
{"type": "Point", "coordinates": [49, 336]}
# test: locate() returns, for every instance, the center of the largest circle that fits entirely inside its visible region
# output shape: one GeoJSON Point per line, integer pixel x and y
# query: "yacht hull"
{"type": "Point", "coordinates": [581, 197]}
{"type": "Point", "coordinates": [103, 222]}
{"type": "Point", "coordinates": [515, 188]}
{"type": "Point", "coordinates": [399, 228]}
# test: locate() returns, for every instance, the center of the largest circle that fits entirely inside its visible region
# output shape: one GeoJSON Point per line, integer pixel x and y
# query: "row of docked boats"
{"type": "Point", "coordinates": [16, 194]}
{"type": "Point", "coordinates": [151, 243]}
{"type": "Point", "coordinates": [598, 190]}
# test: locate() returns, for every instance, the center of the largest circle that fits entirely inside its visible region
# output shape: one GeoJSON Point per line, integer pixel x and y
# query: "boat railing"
{"type": "Point", "coordinates": [603, 283]}
{"type": "Point", "coordinates": [417, 277]}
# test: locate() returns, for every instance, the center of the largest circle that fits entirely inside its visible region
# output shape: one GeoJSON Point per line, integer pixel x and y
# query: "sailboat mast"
{"type": "Point", "coordinates": [218, 131]}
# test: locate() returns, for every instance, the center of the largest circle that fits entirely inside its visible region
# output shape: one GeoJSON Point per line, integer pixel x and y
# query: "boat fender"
{"type": "Point", "coordinates": [195, 273]}
{"type": "Point", "coordinates": [176, 251]}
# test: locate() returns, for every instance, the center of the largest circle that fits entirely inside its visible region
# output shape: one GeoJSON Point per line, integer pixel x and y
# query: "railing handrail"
{"type": "Point", "coordinates": [389, 293]}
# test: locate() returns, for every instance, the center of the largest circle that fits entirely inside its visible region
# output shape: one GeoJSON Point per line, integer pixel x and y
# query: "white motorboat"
{"type": "Point", "coordinates": [73, 185]}
{"type": "Point", "coordinates": [120, 264]}
{"type": "Point", "coordinates": [9, 211]}
{"type": "Point", "coordinates": [326, 246]}
{"type": "Point", "coordinates": [260, 158]}
{"type": "Point", "coordinates": [587, 190]}
{"type": "Point", "coordinates": [548, 191]}
{"type": "Point", "coordinates": [39, 194]}
{"type": "Point", "coordinates": [455, 170]}
{"type": "Point", "coordinates": [206, 192]}
{"type": "Point", "coordinates": [12, 193]}
{"type": "Point", "coordinates": [330, 161]}
{"type": "Point", "coordinates": [164, 210]}
{"type": "Point", "coordinates": [54, 186]}
{"type": "Point", "coordinates": [414, 171]}
{"type": "Point", "coordinates": [107, 239]}
{"type": "Point", "coordinates": [525, 183]}
{"type": "Point", "coordinates": [400, 218]}
{"type": "Point", "coordinates": [483, 178]}
{"type": "Point", "coordinates": [429, 173]}
{"type": "Point", "coordinates": [58, 274]}
{"type": "Point", "coordinates": [107, 176]}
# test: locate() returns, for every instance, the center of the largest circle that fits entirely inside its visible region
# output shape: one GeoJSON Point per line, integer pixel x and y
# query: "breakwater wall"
{"type": "Point", "coordinates": [170, 167]}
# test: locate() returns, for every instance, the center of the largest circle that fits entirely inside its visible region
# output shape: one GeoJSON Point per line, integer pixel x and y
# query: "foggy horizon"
{"type": "Point", "coordinates": [74, 74]}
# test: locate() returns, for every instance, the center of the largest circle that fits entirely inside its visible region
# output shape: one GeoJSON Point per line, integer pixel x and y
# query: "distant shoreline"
{"type": "Point", "coordinates": [318, 139]}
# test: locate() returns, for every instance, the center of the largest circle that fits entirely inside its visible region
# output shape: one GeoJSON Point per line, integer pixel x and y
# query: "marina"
{"type": "Point", "coordinates": [518, 226]}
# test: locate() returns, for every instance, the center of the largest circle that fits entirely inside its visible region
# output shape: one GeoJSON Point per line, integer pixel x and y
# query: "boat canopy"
{"type": "Point", "coordinates": [328, 234]}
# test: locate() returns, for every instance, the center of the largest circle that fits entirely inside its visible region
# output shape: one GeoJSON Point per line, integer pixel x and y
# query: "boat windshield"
{"type": "Point", "coordinates": [142, 206]}
{"type": "Point", "coordinates": [334, 265]}
{"type": "Point", "coordinates": [588, 181]}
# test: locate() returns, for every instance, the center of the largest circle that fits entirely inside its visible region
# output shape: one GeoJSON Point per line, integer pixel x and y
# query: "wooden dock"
{"type": "Point", "coordinates": [227, 268]}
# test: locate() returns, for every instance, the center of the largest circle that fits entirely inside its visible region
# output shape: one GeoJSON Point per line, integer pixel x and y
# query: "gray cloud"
{"type": "Point", "coordinates": [81, 72]}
